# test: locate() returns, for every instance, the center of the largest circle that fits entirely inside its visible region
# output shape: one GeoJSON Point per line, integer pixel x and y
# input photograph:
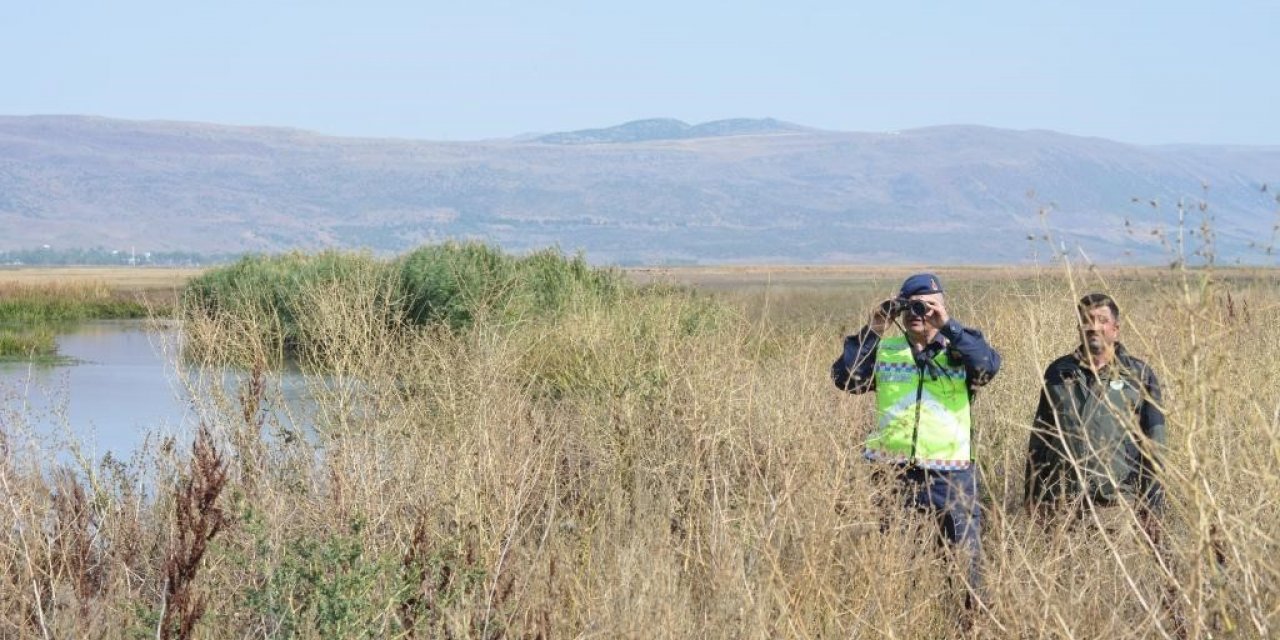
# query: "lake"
{"type": "Point", "coordinates": [122, 381]}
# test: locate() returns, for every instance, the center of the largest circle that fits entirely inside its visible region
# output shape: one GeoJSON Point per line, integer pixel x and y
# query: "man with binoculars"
{"type": "Point", "coordinates": [924, 381]}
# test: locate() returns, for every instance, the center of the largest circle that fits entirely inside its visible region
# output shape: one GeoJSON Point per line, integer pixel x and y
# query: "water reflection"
{"type": "Point", "coordinates": [123, 381]}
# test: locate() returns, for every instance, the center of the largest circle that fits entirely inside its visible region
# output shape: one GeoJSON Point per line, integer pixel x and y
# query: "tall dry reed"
{"type": "Point", "coordinates": [671, 466]}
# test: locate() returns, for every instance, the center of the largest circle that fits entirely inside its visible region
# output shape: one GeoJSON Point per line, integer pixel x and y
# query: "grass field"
{"type": "Point", "coordinates": [118, 278]}
{"type": "Point", "coordinates": [675, 466]}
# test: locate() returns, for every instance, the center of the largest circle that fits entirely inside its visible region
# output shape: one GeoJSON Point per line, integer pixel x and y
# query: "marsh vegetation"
{"type": "Point", "coordinates": [32, 313]}
{"type": "Point", "coordinates": [549, 451]}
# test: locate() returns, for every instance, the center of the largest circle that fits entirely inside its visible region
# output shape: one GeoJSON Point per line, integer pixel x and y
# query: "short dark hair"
{"type": "Point", "coordinates": [1095, 300]}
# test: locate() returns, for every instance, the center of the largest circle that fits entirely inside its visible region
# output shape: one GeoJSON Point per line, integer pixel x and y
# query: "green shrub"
{"type": "Point", "coordinates": [272, 303]}
{"type": "Point", "coordinates": [324, 585]}
{"type": "Point", "coordinates": [453, 284]}
{"type": "Point", "coordinates": [274, 284]}
{"type": "Point", "coordinates": [260, 299]}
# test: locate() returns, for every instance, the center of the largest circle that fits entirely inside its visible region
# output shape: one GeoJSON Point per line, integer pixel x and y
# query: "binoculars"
{"type": "Point", "coordinates": [896, 306]}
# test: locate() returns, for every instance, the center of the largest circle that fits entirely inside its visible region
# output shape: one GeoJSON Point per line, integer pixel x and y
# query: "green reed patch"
{"type": "Point", "coordinates": [270, 293]}
{"type": "Point", "coordinates": [26, 344]}
{"type": "Point", "coordinates": [453, 284]}
{"type": "Point", "coordinates": [51, 305]}
{"type": "Point", "coordinates": [31, 315]}
{"type": "Point", "coordinates": [274, 300]}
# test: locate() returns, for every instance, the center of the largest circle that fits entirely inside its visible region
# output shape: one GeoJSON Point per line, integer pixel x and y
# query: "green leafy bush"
{"type": "Point", "coordinates": [273, 303]}
{"type": "Point", "coordinates": [454, 283]}
{"type": "Point", "coordinates": [276, 286]}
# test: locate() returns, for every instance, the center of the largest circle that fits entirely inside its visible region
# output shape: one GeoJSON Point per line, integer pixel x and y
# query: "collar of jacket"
{"type": "Point", "coordinates": [924, 357]}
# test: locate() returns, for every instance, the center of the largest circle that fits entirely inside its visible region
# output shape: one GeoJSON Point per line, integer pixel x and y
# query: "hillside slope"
{"type": "Point", "coordinates": [646, 192]}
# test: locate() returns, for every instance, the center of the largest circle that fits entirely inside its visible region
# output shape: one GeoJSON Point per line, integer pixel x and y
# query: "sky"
{"type": "Point", "coordinates": [1139, 71]}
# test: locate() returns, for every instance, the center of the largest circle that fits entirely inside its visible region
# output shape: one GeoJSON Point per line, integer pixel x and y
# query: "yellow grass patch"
{"type": "Point", "coordinates": [115, 278]}
{"type": "Point", "coordinates": [659, 471]}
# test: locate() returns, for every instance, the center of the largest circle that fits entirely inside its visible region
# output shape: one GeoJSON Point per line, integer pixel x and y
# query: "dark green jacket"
{"type": "Point", "coordinates": [1097, 435]}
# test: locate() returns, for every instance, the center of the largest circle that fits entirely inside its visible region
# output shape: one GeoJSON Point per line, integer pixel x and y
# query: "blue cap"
{"type": "Point", "coordinates": [919, 284]}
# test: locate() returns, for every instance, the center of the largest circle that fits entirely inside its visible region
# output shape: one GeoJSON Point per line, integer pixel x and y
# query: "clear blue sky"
{"type": "Point", "coordinates": [1139, 71]}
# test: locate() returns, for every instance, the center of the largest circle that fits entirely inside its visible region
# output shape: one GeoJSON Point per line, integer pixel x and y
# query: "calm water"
{"type": "Point", "coordinates": [123, 382]}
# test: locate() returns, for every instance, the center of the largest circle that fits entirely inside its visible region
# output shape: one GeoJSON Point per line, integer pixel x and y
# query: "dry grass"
{"type": "Point", "coordinates": [153, 286]}
{"type": "Point", "coordinates": [119, 278]}
{"type": "Point", "coordinates": [661, 470]}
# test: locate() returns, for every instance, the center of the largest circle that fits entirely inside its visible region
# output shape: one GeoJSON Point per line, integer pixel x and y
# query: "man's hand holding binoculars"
{"type": "Point", "coordinates": [930, 310]}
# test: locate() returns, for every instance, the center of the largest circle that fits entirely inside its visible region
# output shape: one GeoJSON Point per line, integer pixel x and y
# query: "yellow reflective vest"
{"type": "Point", "coordinates": [922, 415]}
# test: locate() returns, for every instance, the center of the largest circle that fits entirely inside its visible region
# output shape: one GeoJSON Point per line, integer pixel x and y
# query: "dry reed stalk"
{"type": "Point", "coordinates": [627, 474]}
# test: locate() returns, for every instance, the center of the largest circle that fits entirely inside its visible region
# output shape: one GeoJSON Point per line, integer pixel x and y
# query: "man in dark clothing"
{"type": "Point", "coordinates": [1096, 441]}
{"type": "Point", "coordinates": [924, 381]}
{"type": "Point", "coordinates": [1099, 425]}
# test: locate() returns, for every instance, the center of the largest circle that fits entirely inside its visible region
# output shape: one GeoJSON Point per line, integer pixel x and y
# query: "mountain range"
{"type": "Point", "coordinates": [646, 192]}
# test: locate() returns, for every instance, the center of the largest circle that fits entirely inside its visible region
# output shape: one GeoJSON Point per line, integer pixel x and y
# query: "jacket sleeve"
{"type": "Point", "coordinates": [1151, 421]}
{"type": "Point", "coordinates": [854, 370]}
{"type": "Point", "coordinates": [1041, 454]}
{"type": "Point", "coordinates": [981, 361]}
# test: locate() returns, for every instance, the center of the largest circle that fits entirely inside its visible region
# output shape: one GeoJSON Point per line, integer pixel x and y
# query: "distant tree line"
{"type": "Point", "coordinates": [50, 256]}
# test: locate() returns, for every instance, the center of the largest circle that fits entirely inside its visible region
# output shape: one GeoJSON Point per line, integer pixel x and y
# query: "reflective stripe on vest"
{"type": "Point", "coordinates": [919, 420]}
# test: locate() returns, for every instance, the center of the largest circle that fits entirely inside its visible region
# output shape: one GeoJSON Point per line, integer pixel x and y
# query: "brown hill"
{"type": "Point", "coordinates": [647, 192]}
